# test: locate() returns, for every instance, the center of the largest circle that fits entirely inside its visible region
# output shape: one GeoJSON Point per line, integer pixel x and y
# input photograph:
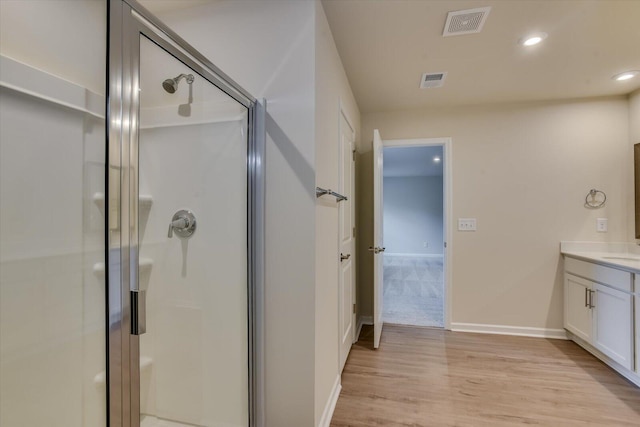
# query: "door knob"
{"type": "Point", "coordinates": [376, 250]}
{"type": "Point", "coordinates": [343, 257]}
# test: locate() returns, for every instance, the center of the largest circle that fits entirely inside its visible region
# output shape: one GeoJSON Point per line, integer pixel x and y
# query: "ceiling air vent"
{"type": "Point", "coordinates": [468, 21]}
{"type": "Point", "coordinates": [430, 80]}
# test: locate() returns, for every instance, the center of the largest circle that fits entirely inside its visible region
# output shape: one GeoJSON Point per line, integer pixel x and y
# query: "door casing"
{"type": "Point", "coordinates": [350, 193]}
{"type": "Point", "coordinates": [446, 144]}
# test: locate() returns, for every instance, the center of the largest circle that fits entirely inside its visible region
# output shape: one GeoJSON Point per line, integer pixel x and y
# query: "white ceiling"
{"type": "Point", "coordinates": [386, 45]}
{"type": "Point", "coordinates": [412, 161]}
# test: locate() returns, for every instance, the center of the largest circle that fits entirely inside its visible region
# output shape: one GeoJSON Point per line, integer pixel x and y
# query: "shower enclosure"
{"type": "Point", "coordinates": [131, 227]}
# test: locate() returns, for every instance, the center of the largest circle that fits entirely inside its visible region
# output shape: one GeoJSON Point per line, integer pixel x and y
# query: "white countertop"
{"type": "Point", "coordinates": [623, 256]}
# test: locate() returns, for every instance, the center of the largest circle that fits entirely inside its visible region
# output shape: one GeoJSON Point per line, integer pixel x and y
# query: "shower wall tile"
{"type": "Point", "coordinates": [178, 364]}
{"type": "Point", "coordinates": [51, 303]}
{"type": "Point", "coordinates": [42, 342]}
{"type": "Point", "coordinates": [196, 289]}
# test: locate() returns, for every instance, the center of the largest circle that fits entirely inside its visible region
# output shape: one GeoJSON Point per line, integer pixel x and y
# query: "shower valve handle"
{"type": "Point", "coordinates": [178, 224]}
{"type": "Point", "coordinates": [183, 223]}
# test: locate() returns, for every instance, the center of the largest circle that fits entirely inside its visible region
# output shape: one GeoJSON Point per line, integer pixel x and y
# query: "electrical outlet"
{"type": "Point", "coordinates": [602, 225]}
{"type": "Point", "coordinates": [467, 224]}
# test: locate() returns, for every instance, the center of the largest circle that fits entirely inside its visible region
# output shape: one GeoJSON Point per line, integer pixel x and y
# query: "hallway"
{"type": "Point", "coordinates": [413, 291]}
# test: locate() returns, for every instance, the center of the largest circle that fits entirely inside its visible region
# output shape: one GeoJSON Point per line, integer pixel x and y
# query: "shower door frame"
{"type": "Point", "coordinates": [128, 20]}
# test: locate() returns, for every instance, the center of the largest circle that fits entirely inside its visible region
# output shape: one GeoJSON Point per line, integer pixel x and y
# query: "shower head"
{"type": "Point", "coordinates": [171, 85]}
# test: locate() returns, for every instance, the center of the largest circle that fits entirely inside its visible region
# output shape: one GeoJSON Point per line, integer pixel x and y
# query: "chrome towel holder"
{"type": "Point", "coordinates": [322, 192]}
{"type": "Point", "coordinates": [590, 201]}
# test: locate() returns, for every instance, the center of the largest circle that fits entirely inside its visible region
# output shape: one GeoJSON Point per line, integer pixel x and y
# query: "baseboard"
{"type": "Point", "coordinates": [523, 331]}
{"type": "Point", "coordinates": [415, 255]}
{"type": "Point", "coordinates": [327, 414]}
{"type": "Point", "coordinates": [363, 320]}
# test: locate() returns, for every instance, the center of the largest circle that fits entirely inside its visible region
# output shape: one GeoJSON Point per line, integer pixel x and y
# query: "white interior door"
{"type": "Point", "coordinates": [347, 247]}
{"type": "Point", "coordinates": [378, 241]}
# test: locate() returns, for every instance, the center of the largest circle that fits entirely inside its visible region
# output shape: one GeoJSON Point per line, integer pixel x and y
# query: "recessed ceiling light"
{"type": "Point", "coordinates": [436, 159]}
{"type": "Point", "coordinates": [626, 75]}
{"type": "Point", "coordinates": [532, 39]}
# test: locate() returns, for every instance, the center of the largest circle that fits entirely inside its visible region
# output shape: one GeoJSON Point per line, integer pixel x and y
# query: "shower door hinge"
{"type": "Point", "coordinates": [354, 309]}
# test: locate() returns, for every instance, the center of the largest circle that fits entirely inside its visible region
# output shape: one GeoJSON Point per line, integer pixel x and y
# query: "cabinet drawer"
{"type": "Point", "coordinates": [598, 273]}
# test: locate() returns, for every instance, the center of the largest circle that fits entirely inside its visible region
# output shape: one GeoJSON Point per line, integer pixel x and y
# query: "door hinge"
{"type": "Point", "coordinates": [353, 154]}
{"type": "Point", "coordinates": [445, 244]}
{"type": "Point", "coordinates": [354, 308]}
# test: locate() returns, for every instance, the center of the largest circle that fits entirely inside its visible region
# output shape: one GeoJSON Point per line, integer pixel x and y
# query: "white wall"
{"type": "Point", "coordinates": [413, 215]}
{"type": "Point", "coordinates": [523, 171]}
{"type": "Point", "coordinates": [65, 37]}
{"type": "Point", "coordinates": [332, 88]}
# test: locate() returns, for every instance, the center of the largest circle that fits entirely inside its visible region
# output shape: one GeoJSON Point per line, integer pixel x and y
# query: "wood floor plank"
{"type": "Point", "coordinates": [431, 377]}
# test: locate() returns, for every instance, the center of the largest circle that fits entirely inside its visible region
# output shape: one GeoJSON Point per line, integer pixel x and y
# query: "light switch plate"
{"type": "Point", "coordinates": [602, 225]}
{"type": "Point", "coordinates": [466, 224]}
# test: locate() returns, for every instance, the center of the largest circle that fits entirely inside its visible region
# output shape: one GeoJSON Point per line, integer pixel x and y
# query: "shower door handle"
{"type": "Point", "coordinates": [138, 312]}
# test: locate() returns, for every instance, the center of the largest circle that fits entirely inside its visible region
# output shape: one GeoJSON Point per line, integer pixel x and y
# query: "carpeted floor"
{"type": "Point", "coordinates": [413, 291]}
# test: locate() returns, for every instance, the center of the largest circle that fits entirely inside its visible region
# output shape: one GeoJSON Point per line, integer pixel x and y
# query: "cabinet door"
{"type": "Point", "coordinates": [637, 316]}
{"type": "Point", "coordinates": [577, 313]}
{"type": "Point", "coordinates": [613, 324]}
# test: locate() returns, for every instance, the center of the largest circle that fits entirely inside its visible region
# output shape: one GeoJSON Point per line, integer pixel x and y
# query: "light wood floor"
{"type": "Point", "coordinates": [430, 377]}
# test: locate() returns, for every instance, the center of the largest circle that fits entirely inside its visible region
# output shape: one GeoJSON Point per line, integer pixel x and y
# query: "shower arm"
{"type": "Point", "coordinates": [188, 77]}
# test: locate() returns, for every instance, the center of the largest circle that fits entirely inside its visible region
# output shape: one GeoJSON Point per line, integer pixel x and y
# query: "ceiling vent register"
{"type": "Point", "coordinates": [468, 21]}
{"type": "Point", "coordinates": [430, 80]}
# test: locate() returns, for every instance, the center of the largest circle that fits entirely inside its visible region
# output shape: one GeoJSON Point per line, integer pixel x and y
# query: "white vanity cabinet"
{"type": "Point", "coordinates": [599, 309]}
{"type": "Point", "coordinates": [637, 316]}
{"type": "Point", "coordinates": [613, 324]}
{"type": "Point", "coordinates": [578, 317]}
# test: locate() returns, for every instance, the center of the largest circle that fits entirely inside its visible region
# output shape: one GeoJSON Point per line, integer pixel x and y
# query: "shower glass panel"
{"type": "Point", "coordinates": [52, 258]}
{"type": "Point", "coordinates": [193, 246]}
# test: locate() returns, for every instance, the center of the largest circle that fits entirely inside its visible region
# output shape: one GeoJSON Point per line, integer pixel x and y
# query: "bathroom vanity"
{"type": "Point", "coordinates": [602, 302]}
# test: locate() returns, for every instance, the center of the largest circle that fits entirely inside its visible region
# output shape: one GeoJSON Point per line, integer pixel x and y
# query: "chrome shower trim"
{"type": "Point", "coordinates": [171, 85]}
{"type": "Point", "coordinates": [229, 86]}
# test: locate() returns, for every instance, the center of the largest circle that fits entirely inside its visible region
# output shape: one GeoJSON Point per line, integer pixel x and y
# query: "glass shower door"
{"type": "Point", "coordinates": [52, 235]}
{"type": "Point", "coordinates": [193, 247]}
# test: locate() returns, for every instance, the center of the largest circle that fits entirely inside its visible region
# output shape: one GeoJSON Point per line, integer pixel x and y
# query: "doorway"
{"type": "Point", "coordinates": [378, 247]}
{"type": "Point", "coordinates": [347, 241]}
{"type": "Point", "coordinates": [413, 209]}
